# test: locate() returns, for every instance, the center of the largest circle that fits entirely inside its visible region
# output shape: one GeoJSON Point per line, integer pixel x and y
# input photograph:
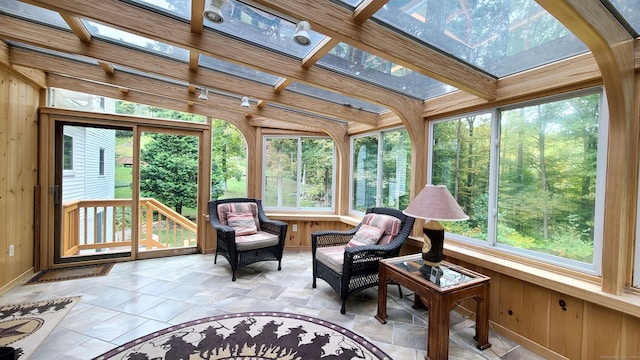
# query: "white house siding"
{"type": "Point", "coordinates": [84, 181]}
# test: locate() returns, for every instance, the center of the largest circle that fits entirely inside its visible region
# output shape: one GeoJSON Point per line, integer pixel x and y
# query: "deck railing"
{"type": "Point", "coordinates": [91, 226]}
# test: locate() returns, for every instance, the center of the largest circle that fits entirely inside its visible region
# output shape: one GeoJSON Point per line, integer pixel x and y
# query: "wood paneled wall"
{"type": "Point", "coordinates": [557, 325]}
{"type": "Point", "coordinates": [18, 176]}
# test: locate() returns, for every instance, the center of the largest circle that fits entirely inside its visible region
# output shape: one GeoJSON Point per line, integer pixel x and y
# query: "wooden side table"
{"type": "Point", "coordinates": [455, 284]}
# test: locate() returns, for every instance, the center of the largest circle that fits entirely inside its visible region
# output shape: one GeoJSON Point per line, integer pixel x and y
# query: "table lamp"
{"type": "Point", "coordinates": [434, 203]}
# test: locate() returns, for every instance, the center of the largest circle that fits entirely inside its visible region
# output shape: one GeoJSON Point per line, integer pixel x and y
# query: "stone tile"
{"type": "Point", "coordinates": [139, 297]}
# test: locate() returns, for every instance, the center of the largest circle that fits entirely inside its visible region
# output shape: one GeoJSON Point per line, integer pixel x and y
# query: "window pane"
{"type": "Point", "coordinates": [228, 161]}
{"type": "Point", "coordinates": [281, 168]}
{"type": "Point", "coordinates": [316, 181]}
{"type": "Point", "coordinates": [546, 197]}
{"type": "Point", "coordinates": [67, 152]}
{"type": "Point", "coordinates": [396, 169]}
{"type": "Point", "coordinates": [460, 160]}
{"type": "Point", "coordinates": [365, 172]}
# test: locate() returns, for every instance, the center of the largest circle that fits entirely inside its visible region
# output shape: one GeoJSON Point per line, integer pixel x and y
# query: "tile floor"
{"type": "Point", "coordinates": [139, 297]}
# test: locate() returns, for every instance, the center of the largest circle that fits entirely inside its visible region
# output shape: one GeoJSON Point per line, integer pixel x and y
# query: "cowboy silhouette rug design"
{"type": "Point", "coordinates": [24, 326]}
{"type": "Point", "coordinates": [255, 336]}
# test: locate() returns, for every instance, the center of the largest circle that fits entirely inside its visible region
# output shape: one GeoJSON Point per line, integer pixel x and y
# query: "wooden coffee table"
{"type": "Point", "coordinates": [455, 284]}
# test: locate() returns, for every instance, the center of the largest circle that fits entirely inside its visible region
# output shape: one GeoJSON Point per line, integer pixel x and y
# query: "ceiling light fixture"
{"type": "Point", "coordinates": [204, 94]}
{"type": "Point", "coordinates": [301, 35]}
{"type": "Point", "coordinates": [245, 101]}
{"type": "Point", "coordinates": [213, 11]}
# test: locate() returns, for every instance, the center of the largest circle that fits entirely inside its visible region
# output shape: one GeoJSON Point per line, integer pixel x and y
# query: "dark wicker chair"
{"type": "Point", "coordinates": [360, 264]}
{"type": "Point", "coordinates": [226, 237]}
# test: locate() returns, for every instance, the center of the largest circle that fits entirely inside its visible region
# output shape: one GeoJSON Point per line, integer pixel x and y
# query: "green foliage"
{"type": "Point", "coordinates": [228, 157]}
{"type": "Point", "coordinates": [547, 166]}
{"type": "Point", "coordinates": [169, 170]}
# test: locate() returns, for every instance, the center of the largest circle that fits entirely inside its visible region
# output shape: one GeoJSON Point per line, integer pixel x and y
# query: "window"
{"type": "Point", "coordinates": [101, 162]}
{"type": "Point", "coordinates": [298, 172]}
{"type": "Point", "coordinates": [67, 152]}
{"type": "Point", "coordinates": [536, 192]}
{"type": "Point", "coordinates": [381, 170]}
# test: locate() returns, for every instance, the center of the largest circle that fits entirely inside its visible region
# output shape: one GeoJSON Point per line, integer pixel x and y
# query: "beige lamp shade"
{"type": "Point", "coordinates": [435, 202]}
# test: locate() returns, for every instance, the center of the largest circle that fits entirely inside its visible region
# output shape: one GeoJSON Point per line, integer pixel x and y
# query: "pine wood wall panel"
{"type": "Point", "coordinates": [510, 303]}
{"type": "Point", "coordinates": [535, 314]}
{"type": "Point", "coordinates": [630, 337]}
{"type": "Point", "coordinates": [18, 175]}
{"type": "Point", "coordinates": [602, 333]}
{"type": "Point", "coordinates": [565, 332]}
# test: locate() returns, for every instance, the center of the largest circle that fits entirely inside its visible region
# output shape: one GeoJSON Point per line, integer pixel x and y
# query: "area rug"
{"type": "Point", "coordinates": [250, 336]}
{"type": "Point", "coordinates": [24, 326]}
{"type": "Point", "coordinates": [71, 273]}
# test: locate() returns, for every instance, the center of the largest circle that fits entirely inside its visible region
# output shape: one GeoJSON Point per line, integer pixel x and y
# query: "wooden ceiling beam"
{"type": "Point", "coordinates": [366, 9]}
{"type": "Point", "coordinates": [319, 51]}
{"type": "Point", "coordinates": [92, 76]}
{"type": "Point", "coordinates": [77, 27]}
{"type": "Point", "coordinates": [197, 16]}
{"type": "Point", "coordinates": [63, 41]}
{"type": "Point", "coordinates": [330, 127]}
{"type": "Point", "coordinates": [172, 31]}
{"type": "Point", "coordinates": [337, 22]}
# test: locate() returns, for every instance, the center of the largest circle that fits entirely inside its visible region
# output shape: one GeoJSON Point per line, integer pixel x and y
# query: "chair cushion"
{"type": "Point", "coordinates": [258, 240]}
{"type": "Point", "coordinates": [390, 224]}
{"type": "Point", "coordinates": [239, 207]}
{"type": "Point", "coordinates": [366, 235]}
{"type": "Point", "coordinates": [331, 256]}
{"type": "Point", "coordinates": [242, 222]}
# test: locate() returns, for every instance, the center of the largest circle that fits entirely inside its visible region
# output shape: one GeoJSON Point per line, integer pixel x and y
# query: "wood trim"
{"type": "Point", "coordinates": [613, 50]}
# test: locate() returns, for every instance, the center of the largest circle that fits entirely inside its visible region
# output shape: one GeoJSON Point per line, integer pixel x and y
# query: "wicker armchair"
{"type": "Point", "coordinates": [244, 233]}
{"type": "Point", "coordinates": [349, 269]}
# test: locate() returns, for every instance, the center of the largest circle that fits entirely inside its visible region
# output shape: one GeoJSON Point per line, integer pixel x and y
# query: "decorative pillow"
{"type": "Point", "coordinates": [242, 222]}
{"type": "Point", "coordinates": [366, 235]}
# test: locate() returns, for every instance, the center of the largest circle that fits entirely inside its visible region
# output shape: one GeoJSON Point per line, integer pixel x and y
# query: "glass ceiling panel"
{"type": "Point", "coordinates": [178, 8]}
{"type": "Point", "coordinates": [335, 97]}
{"type": "Point", "coordinates": [128, 39]}
{"type": "Point", "coordinates": [630, 10]}
{"type": "Point", "coordinates": [33, 13]}
{"type": "Point", "coordinates": [237, 70]}
{"type": "Point", "coordinates": [262, 29]}
{"type": "Point", "coordinates": [499, 37]}
{"type": "Point", "coordinates": [353, 3]}
{"type": "Point", "coordinates": [359, 64]}
{"type": "Point", "coordinates": [149, 75]}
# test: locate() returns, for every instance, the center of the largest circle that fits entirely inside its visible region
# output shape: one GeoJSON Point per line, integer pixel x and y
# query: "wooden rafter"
{"type": "Point", "coordinates": [320, 50]}
{"type": "Point", "coordinates": [157, 27]}
{"type": "Point", "coordinates": [60, 40]}
{"type": "Point", "coordinates": [366, 9]}
{"type": "Point", "coordinates": [337, 22]}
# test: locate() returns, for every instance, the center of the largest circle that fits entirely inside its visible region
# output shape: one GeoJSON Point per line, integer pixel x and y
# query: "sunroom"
{"type": "Point", "coordinates": [121, 120]}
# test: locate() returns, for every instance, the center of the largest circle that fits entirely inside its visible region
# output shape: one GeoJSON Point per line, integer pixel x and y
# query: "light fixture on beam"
{"type": "Point", "coordinates": [301, 35]}
{"type": "Point", "coordinates": [245, 101]}
{"type": "Point", "coordinates": [204, 94]}
{"type": "Point", "coordinates": [213, 11]}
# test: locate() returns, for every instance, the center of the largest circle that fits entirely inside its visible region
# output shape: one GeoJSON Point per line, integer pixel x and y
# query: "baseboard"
{"type": "Point", "coordinates": [21, 278]}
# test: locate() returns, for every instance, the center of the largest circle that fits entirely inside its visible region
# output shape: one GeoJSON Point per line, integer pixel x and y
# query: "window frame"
{"type": "Point", "coordinates": [101, 161]}
{"type": "Point", "coordinates": [299, 139]}
{"type": "Point", "coordinates": [68, 170]}
{"type": "Point", "coordinates": [594, 268]}
{"type": "Point", "coordinates": [379, 169]}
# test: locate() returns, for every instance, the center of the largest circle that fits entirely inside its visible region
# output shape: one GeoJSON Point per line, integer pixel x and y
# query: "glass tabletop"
{"type": "Point", "coordinates": [443, 276]}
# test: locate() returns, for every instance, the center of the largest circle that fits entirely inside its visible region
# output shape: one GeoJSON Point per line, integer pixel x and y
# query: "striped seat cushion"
{"type": "Point", "coordinates": [331, 256]}
{"type": "Point", "coordinates": [258, 240]}
{"type": "Point", "coordinates": [390, 225]}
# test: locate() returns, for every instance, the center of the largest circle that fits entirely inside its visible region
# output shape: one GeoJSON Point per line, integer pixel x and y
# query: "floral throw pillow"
{"type": "Point", "coordinates": [242, 222]}
{"type": "Point", "coordinates": [366, 235]}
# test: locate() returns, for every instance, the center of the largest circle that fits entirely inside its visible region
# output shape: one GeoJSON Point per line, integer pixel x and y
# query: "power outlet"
{"type": "Point", "coordinates": [11, 250]}
{"type": "Point", "coordinates": [294, 227]}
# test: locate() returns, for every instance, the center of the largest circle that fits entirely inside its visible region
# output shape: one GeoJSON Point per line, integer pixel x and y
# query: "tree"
{"type": "Point", "coordinates": [169, 170]}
